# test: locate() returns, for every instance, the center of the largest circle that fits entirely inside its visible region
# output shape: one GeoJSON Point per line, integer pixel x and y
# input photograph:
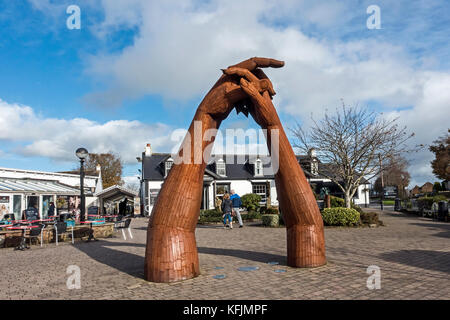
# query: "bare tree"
{"type": "Point", "coordinates": [353, 142]}
{"type": "Point", "coordinates": [395, 173]}
{"type": "Point", "coordinates": [134, 186]}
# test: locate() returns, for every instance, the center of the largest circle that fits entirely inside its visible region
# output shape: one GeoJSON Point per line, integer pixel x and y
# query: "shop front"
{"type": "Point", "coordinates": [18, 195]}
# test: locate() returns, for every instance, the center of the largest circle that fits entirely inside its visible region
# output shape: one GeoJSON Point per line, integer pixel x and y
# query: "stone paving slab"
{"type": "Point", "coordinates": [412, 253]}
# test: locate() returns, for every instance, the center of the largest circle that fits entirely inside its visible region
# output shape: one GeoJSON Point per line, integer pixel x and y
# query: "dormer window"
{"type": "Point", "coordinates": [258, 167]}
{"type": "Point", "coordinates": [221, 168]}
{"type": "Point", "coordinates": [168, 165]}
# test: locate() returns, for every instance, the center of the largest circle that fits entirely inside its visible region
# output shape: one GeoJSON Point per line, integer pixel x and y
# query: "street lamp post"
{"type": "Point", "coordinates": [82, 154]}
{"type": "Point", "coordinates": [382, 182]}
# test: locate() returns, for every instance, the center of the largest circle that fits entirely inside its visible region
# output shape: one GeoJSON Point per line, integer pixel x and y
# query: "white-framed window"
{"type": "Point", "coordinates": [258, 167]}
{"type": "Point", "coordinates": [222, 188]}
{"type": "Point", "coordinates": [168, 165]}
{"type": "Point", "coordinates": [315, 167]}
{"type": "Point", "coordinates": [221, 168]}
{"type": "Point", "coordinates": [153, 196]}
{"type": "Point", "coordinates": [261, 189]}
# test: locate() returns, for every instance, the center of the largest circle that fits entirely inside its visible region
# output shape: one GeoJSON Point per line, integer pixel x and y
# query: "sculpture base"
{"type": "Point", "coordinates": [305, 247]}
{"type": "Point", "coordinates": [171, 255]}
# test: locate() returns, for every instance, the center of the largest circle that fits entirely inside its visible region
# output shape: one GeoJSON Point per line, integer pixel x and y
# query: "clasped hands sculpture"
{"type": "Point", "coordinates": [171, 252]}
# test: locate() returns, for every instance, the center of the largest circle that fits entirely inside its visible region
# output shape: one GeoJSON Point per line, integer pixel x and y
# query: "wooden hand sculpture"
{"type": "Point", "coordinates": [304, 224]}
{"type": "Point", "coordinates": [171, 251]}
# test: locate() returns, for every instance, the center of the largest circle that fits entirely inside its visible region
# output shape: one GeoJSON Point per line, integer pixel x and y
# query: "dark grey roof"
{"type": "Point", "coordinates": [238, 167]}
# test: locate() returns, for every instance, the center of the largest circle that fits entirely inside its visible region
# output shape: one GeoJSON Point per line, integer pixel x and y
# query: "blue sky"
{"type": "Point", "coordinates": [136, 70]}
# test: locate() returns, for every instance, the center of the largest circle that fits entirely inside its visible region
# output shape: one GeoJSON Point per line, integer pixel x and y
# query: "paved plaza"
{"type": "Point", "coordinates": [413, 255]}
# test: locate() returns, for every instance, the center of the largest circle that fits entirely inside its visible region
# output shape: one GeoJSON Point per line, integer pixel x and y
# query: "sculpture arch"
{"type": "Point", "coordinates": [171, 251]}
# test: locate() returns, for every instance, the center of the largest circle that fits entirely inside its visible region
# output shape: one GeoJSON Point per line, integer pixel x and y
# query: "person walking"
{"type": "Point", "coordinates": [237, 203]}
{"type": "Point", "coordinates": [227, 207]}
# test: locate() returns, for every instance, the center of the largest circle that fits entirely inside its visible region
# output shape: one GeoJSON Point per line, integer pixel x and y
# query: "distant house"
{"type": "Point", "coordinates": [426, 188]}
{"type": "Point", "coordinates": [415, 191]}
{"type": "Point", "coordinates": [242, 173]}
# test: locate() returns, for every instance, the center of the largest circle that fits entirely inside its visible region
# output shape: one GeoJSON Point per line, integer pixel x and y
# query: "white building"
{"type": "Point", "coordinates": [22, 189]}
{"type": "Point", "coordinates": [241, 173]}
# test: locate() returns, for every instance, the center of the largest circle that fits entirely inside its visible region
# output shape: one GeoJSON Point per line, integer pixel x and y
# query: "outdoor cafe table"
{"type": "Point", "coordinates": [22, 244]}
{"type": "Point", "coordinates": [91, 234]}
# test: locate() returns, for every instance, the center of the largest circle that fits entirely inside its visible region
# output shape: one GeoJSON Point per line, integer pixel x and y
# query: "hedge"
{"type": "Point", "coordinates": [340, 217]}
{"type": "Point", "coordinates": [427, 202]}
{"type": "Point", "coordinates": [251, 201]}
{"type": "Point", "coordinates": [337, 202]}
{"type": "Point", "coordinates": [270, 220]}
{"type": "Point", "coordinates": [213, 216]}
{"type": "Point", "coordinates": [270, 210]}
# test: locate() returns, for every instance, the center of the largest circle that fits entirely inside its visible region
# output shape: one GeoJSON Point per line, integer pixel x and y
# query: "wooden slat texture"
{"type": "Point", "coordinates": [171, 251]}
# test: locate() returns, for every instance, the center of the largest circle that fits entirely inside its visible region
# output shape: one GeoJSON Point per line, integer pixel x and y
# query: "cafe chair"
{"type": "Point", "coordinates": [122, 225]}
{"type": "Point", "coordinates": [61, 228]}
{"type": "Point", "coordinates": [36, 233]}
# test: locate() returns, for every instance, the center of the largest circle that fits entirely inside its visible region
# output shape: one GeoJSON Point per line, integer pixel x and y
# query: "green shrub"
{"type": "Point", "coordinates": [270, 220]}
{"type": "Point", "coordinates": [251, 201]}
{"type": "Point", "coordinates": [340, 217]}
{"type": "Point", "coordinates": [210, 216]}
{"type": "Point", "coordinates": [427, 202]}
{"type": "Point", "coordinates": [271, 211]}
{"type": "Point", "coordinates": [204, 219]}
{"type": "Point", "coordinates": [210, 213]}
{"type": "Point", "coordinates": [252, 215]}
{"type": "Point", "coordinates": [337, 202]}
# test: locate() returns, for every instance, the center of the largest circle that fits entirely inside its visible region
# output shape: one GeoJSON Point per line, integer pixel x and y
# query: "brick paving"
{"type": "Point", "coordinates": [413, 255]}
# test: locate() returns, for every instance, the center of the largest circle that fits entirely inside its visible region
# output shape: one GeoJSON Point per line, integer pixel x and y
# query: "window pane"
{"type": "Point", "coordinates": [153, 196]}
{"type": "Point", "coordinates": [17, 206]}
{"type": "Point", "coordinates": [260, 189]}
{"type": "Point", "coordinates": [4, 206]}
{"type": "Point", "coordinates": [45, 205]}
{"type": "Point", "coordinates": [221, 189]}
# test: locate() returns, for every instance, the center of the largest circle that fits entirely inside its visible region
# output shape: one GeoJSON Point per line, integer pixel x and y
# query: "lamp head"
{"type": "Point", "coordinates": [82, 153]}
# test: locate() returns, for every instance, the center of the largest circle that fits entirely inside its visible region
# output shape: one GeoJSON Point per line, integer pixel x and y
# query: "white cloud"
{"type": "Point", "coordinates": [180, 46]}
{"type": "Point", "coordinates": [58, 138]}
{"type": "Point", "coordinates": [179, 49]}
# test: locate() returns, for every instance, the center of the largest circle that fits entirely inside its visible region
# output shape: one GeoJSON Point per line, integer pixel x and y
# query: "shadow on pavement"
{"type": "Point", "coordinates": [126, 262]}
{"type": "Point", "coordinates": [443, 227]}
{"type": "Point", "coordinates": [244, 254]}
{"type": "Point", "coordinates": [425, 259]}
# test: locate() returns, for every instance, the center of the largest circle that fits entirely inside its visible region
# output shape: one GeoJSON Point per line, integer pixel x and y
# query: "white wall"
{"type": "Point", "coordinates": [242, 187]}
{"type": "Point", "coordinates": [361, 197]}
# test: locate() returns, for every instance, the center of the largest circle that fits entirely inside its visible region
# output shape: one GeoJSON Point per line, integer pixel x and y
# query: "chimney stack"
{"type": "Point", "coordinates": [148, 150]}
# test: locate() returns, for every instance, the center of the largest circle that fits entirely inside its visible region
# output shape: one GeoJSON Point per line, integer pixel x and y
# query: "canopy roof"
{"type": "Point", "coordinates": [116, 193]}
{"type": "Point", "coordinates": [34, 185]}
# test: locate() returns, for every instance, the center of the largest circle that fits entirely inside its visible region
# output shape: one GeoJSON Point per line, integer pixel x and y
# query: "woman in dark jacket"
{"type": "Point", "coordinates": [227, 207]}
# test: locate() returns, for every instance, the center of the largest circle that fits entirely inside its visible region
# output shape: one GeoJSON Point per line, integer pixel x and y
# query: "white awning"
{"type": "Point", "coordinates": [32, 185]}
